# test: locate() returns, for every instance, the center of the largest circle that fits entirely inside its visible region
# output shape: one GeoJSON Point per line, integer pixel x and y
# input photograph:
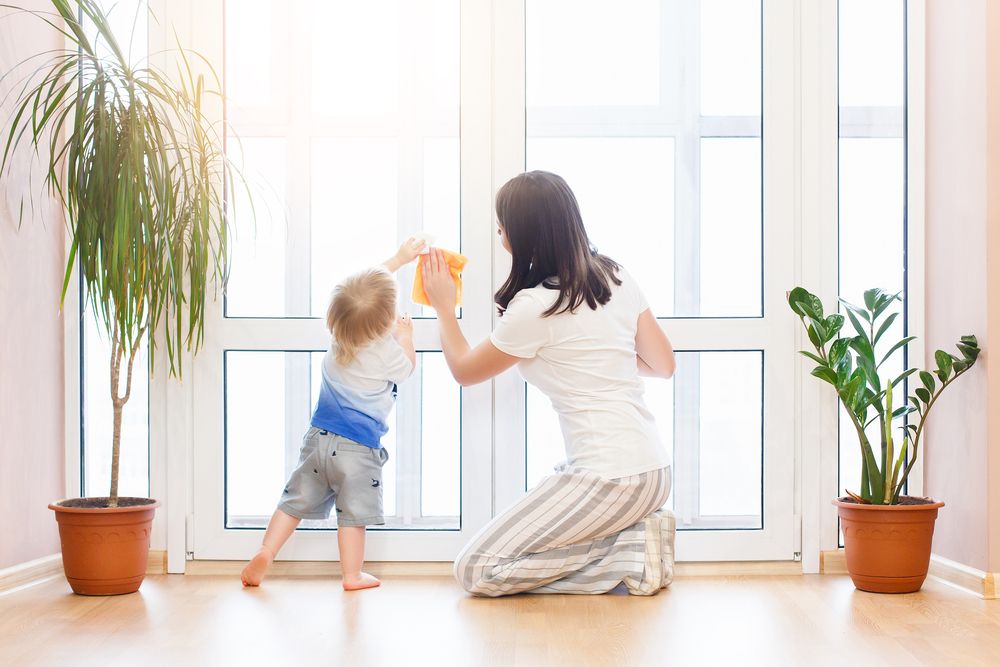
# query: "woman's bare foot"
{"type": "Point", "coordinates": [253, 573]}
{"type": "Point", "coordinates": [359, 581]}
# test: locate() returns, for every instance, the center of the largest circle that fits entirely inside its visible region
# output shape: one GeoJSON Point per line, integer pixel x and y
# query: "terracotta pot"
{"type": "Point", "coordinates": [104, 550]}
{"type": "Point", "coordinates": [888, 547]}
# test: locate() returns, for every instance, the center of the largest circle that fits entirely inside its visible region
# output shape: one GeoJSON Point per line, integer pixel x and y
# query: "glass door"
{"type": "Point", "coordinates": [363, 123]}
{"type": "Point", "coordinates": [351, 136]}
{"type": "Point", "coordinates": [671, 120]}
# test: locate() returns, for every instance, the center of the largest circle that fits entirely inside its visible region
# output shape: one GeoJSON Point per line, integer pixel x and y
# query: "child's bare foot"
{"type": "Point", "coordinates": [253, 573]}
{"type": "Point", "coordinates": [359, 581]}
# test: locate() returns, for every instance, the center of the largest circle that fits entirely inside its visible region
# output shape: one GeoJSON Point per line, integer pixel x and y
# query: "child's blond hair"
{"type": "Point", "coordinates": [362, 309]}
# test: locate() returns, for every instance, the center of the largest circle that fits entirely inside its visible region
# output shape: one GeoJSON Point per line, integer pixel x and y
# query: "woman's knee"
{"type": "Point", "coordinates": [471, 577]}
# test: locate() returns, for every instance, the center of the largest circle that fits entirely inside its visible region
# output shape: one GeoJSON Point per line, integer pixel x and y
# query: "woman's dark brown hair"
{"type": "Point", "coordinates": [541, 218]}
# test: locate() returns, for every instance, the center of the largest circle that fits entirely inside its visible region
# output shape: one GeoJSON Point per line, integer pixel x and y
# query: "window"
{"type": "Point", "coordinates": [268, 408]}
{"type": "Point", "coordinates": [345, 121]}
{"type": "Point", "coordinates": [714, 429]}
{"type": "Point", "coordinates": [652, 112]}
{"type": "Point", "coordinates": [349, 137]}
{"type": "Point", "coordinates": [129, 23]}
{"type": "Point", "coordinates": [872, 171]}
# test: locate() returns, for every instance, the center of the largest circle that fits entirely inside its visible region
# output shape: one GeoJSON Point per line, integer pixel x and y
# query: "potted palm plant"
{"type": "Point", "coordinates": [141, 173]}
{"type": "Point", "coordinates": [887, 534]}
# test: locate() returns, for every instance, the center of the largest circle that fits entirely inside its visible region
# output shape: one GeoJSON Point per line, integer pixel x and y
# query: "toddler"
{"type": "Point", "coordinates": [340, 464]}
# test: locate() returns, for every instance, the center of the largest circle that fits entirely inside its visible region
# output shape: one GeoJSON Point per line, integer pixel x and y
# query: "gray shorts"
{"type": "Point", "coordinates": [332, 471]}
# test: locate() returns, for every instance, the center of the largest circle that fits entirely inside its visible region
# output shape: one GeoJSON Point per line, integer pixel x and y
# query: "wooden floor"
{"type": "Point", "coordinates": [306, 621]}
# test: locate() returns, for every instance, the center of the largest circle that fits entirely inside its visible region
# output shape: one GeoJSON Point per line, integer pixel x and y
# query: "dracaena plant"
{"type": "Point", "coordinates": [851, 365]}
{"type": "Point", "coordinates": [141, 173]}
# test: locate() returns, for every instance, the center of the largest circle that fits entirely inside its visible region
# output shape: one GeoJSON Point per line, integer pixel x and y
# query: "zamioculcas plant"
{"type": "Point", "coordinates": [852, 367]}
{"type": "Point", "coordinates": [142, 174]}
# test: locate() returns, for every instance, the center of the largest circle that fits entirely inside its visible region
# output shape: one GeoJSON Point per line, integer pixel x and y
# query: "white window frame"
{"type": "Point", "coordinates": [810, 107]}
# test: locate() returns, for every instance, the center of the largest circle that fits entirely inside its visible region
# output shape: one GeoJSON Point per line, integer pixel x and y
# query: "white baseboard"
{"type": "Point", "coordinates": [31, 572]}
{"type": "Point", "coordinates": [444, 569]}
{"type": "Point", "coordinates": [302, 568]}
{"type": "Point", "coordinates": [977, 582]}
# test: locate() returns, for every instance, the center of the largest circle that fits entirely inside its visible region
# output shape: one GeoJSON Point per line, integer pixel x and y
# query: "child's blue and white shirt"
{"type": "Point", "coordinates": [355, 400]}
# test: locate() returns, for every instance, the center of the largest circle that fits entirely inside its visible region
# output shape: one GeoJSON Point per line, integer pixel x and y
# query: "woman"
{"type": "Point", "coordinates": [580, 330]}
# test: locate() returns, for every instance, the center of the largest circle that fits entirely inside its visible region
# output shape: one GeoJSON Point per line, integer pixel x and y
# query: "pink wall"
{"type": "Point", "coordinates": [962, 436]}
{"type": "Point", "coordinates": [993, 275]}
{"type": "Point", "coordinates": [31, 338]}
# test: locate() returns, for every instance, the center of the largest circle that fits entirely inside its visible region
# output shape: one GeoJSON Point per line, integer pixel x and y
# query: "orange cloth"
{"type": "Point", "coordinates": [456, 262]}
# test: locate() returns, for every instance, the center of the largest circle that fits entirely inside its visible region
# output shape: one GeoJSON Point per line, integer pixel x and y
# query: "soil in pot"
{"type": "Point", "coordinates": [888, 547]}
{"type": "Point", "coordinates": [105, 549]}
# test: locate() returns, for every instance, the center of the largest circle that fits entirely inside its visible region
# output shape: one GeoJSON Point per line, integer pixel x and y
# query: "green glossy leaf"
{"type": "Point", "coordinates": [970, 353]}
{"type": "Point", "coordinates": [871, 296]}
{"type": "Point", "coordinates": [839, 349]}
{"type": "Point", "coordinates": [832, 324]}
{"type": "Point", "coordinates": [860, 312]}
{"type": "Point", "coordinates": [844, 368]}
{"type": "Point", "coordinates": [805, 304]}
{"type": "Point", "coordinates": [902, 376]}
{"type": "Point", "coordinates": [812, 356]}
{"type": "Point", "coordinates": [944, 363]}
{"type": "Point", "coordinates": [923, 395]}
{"type": "Point", "coordinates": [826, 374]}
{"type": "Point", "coordinates": [897, 346]}
{"type": "Point", "coordinates": [928, 381]}
{"type": "Point", "coordinates": [884, 301]}
{"type": "Point", "coordinates": [814, 337]}
{"type": "Point", "coordinates": [885, 326]}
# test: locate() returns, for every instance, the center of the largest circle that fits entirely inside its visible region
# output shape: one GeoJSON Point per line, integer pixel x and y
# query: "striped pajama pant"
{"type": "Point", "coordinates": [576, 532]}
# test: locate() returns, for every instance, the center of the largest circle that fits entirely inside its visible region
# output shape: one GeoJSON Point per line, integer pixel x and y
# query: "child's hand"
{"type": "Point", "coordinates": [404, 326]}
{"type": "Point", "coordinates": [409, 251]}
{"type": "Point", "coordinates": [438, 283]}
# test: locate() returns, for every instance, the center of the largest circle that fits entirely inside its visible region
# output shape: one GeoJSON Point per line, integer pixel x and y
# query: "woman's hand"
{"type": "Point", "coordinates": [438, 283]}
{"type": "Point", "coordinates": [407, 252]}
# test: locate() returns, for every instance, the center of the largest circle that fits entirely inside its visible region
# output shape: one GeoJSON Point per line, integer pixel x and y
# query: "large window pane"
{"type": "Point", "coordinates": [371, 125]}
{"type": "Point", "coordinates": [620, 205]}
{"type": "Point", "coordinates": [98, 418]}
{"type": "Point", "coordinates": [651, 111]}
{"type": "Point", "coordinates": [606, 54]}
{"type": "Point", "coordinates": [353, 212]}
{"type": "Point", "coordinates": [129, 22]}
{"type": "Point", "coordinates": [710, 416]}
{"type": "Point", "coordinates": [251, 59]}
{"type": "Point", "coordinates": [730, 70]}
{"type": "Point", "coordinates": [872, 178]}
{"type": "Point", "coordinates": [356, 70]}
{"type": "Point", "coordinates": [872, 54]}
{"type": "Point", "coordinates": [256, 280]}
{"type": "Point", "coordinates": [269, 402]}
{"type": "Point", "coordinates": [730, 230]}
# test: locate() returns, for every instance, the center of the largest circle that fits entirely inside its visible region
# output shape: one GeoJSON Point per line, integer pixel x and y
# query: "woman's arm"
{"type": "Point", "coordinates": [468, 365]}
{"type": "Point", "coordinates": [654, 353]}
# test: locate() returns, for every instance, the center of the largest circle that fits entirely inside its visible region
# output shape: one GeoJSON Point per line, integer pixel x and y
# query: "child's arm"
{"type": "Point", "coordinates": [404, 336]}
{"type": "Point", "coordinates": [407, 252]}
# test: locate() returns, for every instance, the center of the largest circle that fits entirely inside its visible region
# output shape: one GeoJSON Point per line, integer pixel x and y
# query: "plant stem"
{"type": "Point", "coordinates": [117, 406]}
{"type": "Point", "coordinates": [920, 430]}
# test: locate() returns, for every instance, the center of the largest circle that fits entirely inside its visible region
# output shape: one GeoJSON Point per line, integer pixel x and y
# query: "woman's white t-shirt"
{"type": "Point", "coordinates": [585, 362]}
